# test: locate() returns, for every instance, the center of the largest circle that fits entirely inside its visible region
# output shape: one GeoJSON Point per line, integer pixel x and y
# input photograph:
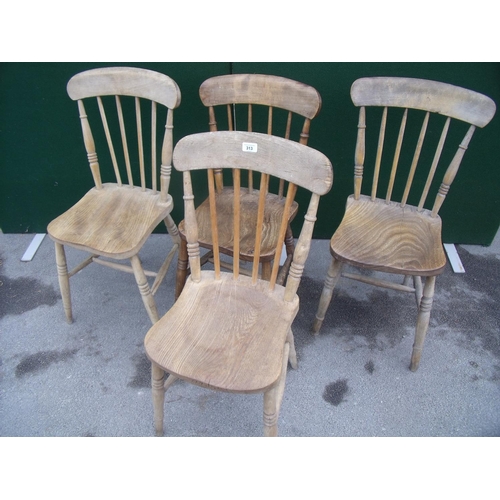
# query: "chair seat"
{"type": "Point", "coordinates": [113, 221]}
{"type": "Point", "coordinates": [225, 334]}
{"type": "Point", "coordinates": [249, 203]}
{"type": "Point", "coordinates": [386, 237]}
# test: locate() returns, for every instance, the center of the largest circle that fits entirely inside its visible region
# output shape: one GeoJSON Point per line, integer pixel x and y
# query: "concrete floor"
{"type": "Point", "coordinates": [91, 378]}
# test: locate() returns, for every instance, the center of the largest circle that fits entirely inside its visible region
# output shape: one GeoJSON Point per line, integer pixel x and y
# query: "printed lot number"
{"type": "Point", "coordinates": [249, 147]}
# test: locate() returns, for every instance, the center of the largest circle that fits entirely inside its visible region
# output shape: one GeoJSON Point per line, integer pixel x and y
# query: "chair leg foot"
{"type": "Point", "coordinates": [332, 276]}
{"type": "Point", "coordinates": [415, 360]}
{"type": "Point", "coordinates": [63, 276]}
{"type": "Point", "coordinates": [316, 326]}
{"type": "Point", "coordinates": [423, 319]}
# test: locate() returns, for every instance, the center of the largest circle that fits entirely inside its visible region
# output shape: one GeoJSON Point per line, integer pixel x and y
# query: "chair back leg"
{"type": "Point", "coordinates": [424, 313]}
{"type": "Point", "coordinates": [332, 276]}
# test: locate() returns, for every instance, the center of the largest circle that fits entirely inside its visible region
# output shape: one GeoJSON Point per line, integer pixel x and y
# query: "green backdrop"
{"type": "Point", "coordinates": [44, 167]}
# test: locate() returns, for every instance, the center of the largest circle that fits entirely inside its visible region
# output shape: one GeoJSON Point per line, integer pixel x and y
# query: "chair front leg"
{"type": "Point", "coordinates": [423, 319]}
{"type": "Point", "coordinates": [158, 390]}
{"type": "Point", "coordinates": [332, 276]}
{"type": "Point", "coordinates": [273, 398]}
{"type": "Point", "coordinates": [63, 276]}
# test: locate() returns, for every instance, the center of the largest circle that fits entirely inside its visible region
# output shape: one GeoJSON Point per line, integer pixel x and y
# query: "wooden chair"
{"type": "Point", "coordinates": [114, 219]}
{"type": "Point", "coordinates": [228, 331]}
{"type": "Point", "coordinates": [379, 234]}
{"type": "Point", "coordinates": [252, 100]}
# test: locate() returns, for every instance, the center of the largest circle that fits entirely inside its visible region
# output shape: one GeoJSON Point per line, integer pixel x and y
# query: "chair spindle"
{"type": "Point", "coordinates": [380, 149]}
{"type": "Point", "coordinates": [236, 222]}
{"type": "Point", "coordinates": [153, 147]}
{"type": "Point", "coordinates": [140, 143]}
{"type": "Point", "coordinates": [109, 140]}
{"type": "Point", "coordinates": [264, 180]}
{"type": "Point", "coordinates": [123, 133]}
{"type": "Point", "coordinates": [230, 122]}
{"type": "Point", "coordinates": [213, 221]}
{"type": "Point", "coordinates": [397, 152]}
{"type": "Point", "coordinates": [416, 157]}
{"type": "Point", "coordinates": [212, 123]}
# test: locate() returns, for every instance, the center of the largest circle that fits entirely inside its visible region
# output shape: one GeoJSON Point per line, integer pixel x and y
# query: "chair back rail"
{"type": "Point", "coordinates": [429, 97]}
{"type": "Point", "coordinates": [296, 163]}
{"type": "Point", "coordinates": [139, 84]}
{"type": "Point", "coordinates": [267, 90]}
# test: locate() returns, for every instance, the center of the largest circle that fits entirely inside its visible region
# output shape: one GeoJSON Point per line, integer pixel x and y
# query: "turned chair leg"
{"type": "Point", "coordinates": [158, 390]}
{"type": "Point", "coordinates": [182, 266]}
{"type": "Point", "coordinates": [424, 314]}
{"type": "Point", "coordinates": [332, 276]}
{"type": "Point", "coordinates": [273, 398]}
{"type": "Point", "coordinates": [62, 273]}
{"type": "Point", "coordinates": [142, 283]}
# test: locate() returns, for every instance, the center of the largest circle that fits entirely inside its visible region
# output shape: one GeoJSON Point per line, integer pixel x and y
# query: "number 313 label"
{"type": "Point", "coordinates": [249, 147]}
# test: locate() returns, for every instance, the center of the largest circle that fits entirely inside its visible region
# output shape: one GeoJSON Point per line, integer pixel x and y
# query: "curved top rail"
{"type": "Point", "coordinates": [444, 98]}
{"type": "Point", "coordinates": [135, 82]}
{"type": "Point", "coordinates": [268, 90]}
{"type": "Point", "coordinates": [289, 160]}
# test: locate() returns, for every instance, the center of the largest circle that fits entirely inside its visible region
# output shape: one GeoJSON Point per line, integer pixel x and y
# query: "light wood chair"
{"type": "Point", "coordinates": [379, 234]}
{"type": "Point", "coordinates": [114, 219]}
{"type": "Point", "coordinates": [227, 331]}
{"type": "Point", "coordinates": [261, 103]}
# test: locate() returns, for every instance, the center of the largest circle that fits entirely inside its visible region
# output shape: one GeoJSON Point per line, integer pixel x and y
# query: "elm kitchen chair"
{"type": "Point", "coordinates": [250, 100]}
{"type": "Point", "coordinates": [379, 234]}
{"type": "Point", "coordinates": [228, 331]}
{"type": "Point", "coordinates": [114, 219]}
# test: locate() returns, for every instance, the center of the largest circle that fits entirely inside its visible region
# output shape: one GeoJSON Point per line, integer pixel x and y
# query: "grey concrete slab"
{"type": "Point", "coordinates": [91, 378]}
